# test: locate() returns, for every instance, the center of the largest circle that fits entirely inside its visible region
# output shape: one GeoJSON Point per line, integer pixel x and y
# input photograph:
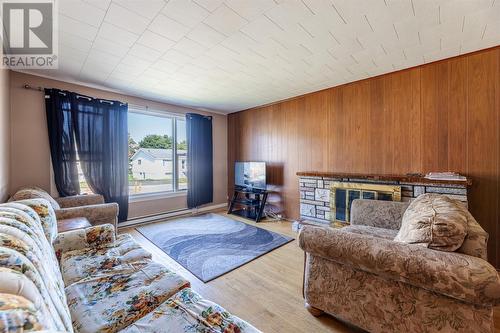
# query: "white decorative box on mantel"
{"type": "Point", "coordinates": [315, 187]}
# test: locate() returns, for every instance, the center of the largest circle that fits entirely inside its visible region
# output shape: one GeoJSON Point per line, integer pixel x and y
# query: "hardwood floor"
{"type": "Point", "coordinates": [266, 292]}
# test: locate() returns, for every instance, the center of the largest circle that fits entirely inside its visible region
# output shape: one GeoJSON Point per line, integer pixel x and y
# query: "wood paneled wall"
{"type": "Point", "coordinates": [436, 117]}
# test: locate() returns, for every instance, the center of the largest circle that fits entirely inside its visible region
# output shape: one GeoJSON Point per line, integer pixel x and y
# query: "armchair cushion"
{"type": "Point", "coordinates": [92, 237]}
{"type": "Point", "coordinates": [456, 275]}
{"type": "Point", "coordinates": [80, 200]}
{"type": "Point", "coordinates": [434, 221]}
{"type": "Point", "coordinates": [378, 213]}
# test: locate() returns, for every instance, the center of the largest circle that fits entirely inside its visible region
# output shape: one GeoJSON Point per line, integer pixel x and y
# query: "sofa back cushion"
{"type": "Point", "coordinates": [34, 192]}
{"type": "Point", "coordinates": [28, 266]}
{"type": "Point", "coordinates": [434, 221]}
{"type": "Point", "coordinates": [41, 211]}
{"type": "Point", "coordinates": [26, 270]}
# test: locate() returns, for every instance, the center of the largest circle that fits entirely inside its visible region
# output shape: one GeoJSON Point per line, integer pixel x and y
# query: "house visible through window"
{"type": "Point", "coordinates": [84, 186]}
{"type": "Point", "coordinates": [157, 153]}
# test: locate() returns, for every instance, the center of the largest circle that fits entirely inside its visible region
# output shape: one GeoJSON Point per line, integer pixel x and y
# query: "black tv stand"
{"type": "Point", "coordinates": [251, 202]}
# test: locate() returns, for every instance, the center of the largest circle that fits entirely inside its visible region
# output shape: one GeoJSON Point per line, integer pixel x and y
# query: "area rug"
{"type": "Point", "coordinates": [211, 245]}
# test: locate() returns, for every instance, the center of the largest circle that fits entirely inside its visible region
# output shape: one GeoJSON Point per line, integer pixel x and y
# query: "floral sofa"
{"type": "Point", "coordinates": [90, 280]}
{"type": "Point", "coordinates": [361, 275]}
{"type": "Point", "coordinates": [91, 206]}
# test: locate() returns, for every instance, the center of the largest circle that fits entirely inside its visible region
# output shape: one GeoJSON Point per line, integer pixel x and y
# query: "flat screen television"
{"type": "Point", "coordinates": [251, 175]}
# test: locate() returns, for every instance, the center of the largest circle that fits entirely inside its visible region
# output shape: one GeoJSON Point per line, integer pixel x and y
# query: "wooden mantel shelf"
{"type": "Point", "coordinates": [398, 178]}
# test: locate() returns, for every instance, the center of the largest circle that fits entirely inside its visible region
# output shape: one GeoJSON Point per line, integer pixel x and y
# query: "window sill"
{"type": "Point", "coordinates": [156, 196]}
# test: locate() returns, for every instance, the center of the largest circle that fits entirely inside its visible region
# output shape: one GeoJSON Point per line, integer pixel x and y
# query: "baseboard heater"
{"type": "Point", "coordinates": [158, 217]}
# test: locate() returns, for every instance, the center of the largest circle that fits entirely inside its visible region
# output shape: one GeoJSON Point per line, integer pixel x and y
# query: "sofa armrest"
{"type": "Point", "coordinates": [91, 237]}
{"type": "Point", "coordinates": [378, 213]}
{"type": "Point", "coordinates": [453, 274]}
{"type": "Point", "coordinates": [96, 214]}
{"type": "Point", "coordinates": [80, 200]}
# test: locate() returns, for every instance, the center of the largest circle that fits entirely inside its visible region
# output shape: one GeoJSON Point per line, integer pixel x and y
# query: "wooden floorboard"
{"type": "Point", "coordinates": [266, 292]}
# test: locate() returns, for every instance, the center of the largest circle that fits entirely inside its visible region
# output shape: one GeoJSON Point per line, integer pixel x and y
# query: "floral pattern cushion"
{"type": "Point", "coordinates": [18, 315]}
{"type": "Point", "coordinates": [26, 219]}
{"type": "Point", "coordinates": [45, 214]}
{"type": "Point", "coordinates": [17, 283]}
{"type": "Point", "coordinates": [16, 240]}
{"type": "Point", "coordinates": [27, 229]}
{"type": "Point", "coordinates": [110, 302]}
{"type": "Point", "coordinates": [25, 248]}
{"type": "Point", "coordinates": [434, 221]}
{"type": "Point", "coordinates": [78, 264]}
{"type": "Point", "coordinates": [45, 284]}
{"type": "Point", "coordinates": [96, 236]}
{"type": "Point", "coordinates": [188, 312]}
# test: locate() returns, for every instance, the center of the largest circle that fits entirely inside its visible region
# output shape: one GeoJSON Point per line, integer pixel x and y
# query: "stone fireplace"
{"type": "Point", "coordinates": [318, 191]}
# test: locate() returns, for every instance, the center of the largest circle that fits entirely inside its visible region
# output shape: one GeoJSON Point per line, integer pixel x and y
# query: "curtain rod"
{"type": "Point", "coordinates": [144, 108]}
{"type": "Point", "coordinates": [27, 86]}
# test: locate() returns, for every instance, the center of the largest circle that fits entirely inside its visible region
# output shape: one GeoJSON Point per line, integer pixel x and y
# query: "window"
{"type": "Point", "coordinates": [84, 187]}
{"type": "Point", "coordinates": [181, 154]}
{"type": "Point", "coordinates": [157, 153]}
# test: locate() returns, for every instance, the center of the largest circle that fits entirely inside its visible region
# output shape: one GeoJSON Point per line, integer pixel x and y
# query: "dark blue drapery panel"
{"type": "Point", "coordinates": [94, 130]}
{"type": "Point", "coordinates": [62, 141]}
{"type": "Point", "coordinates": [199, 159]}
{"type": "Point", "coordinates": [101, 138]}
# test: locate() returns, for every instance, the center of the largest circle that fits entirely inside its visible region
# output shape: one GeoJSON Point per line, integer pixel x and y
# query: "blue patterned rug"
{"type": "Point", "coordinates": [211, 245]}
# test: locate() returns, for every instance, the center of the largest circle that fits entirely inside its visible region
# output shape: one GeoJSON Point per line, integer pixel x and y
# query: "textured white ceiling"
{"type": "Point", "coordinates": [230, 55]}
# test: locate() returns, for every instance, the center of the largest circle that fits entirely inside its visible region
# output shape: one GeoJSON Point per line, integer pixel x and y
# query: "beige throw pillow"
{"type": "Point", "coordinates": [434, 221]}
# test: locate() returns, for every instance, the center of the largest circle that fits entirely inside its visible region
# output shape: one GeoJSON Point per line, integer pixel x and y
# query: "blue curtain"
{"type": "Point", "coordinates": [96, 131]}
{"type": "Point", "coordinates": [199, 160]}
{"type": "Point", "coordinates": [102, 142]}
{"type": "Point", "coordinates": [62, 141]}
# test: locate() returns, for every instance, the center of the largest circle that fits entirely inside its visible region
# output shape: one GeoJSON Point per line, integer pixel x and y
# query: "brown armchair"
{"type": "Point", "coordinates": [90, 206]}
{"type": "Point", "coordinates": [359, 274]}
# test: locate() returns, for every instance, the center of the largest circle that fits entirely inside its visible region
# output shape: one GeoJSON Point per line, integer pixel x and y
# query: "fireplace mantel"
{"type": "Point", "coordinates": [314, 188]}
{"type": "Point", "coordinates": [384, 177]}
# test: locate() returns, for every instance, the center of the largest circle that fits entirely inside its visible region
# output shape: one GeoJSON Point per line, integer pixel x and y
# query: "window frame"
{"type": "Point", "coordinates": [175, 192]}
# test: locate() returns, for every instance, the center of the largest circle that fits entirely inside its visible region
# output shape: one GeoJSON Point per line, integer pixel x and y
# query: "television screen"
{"type": "Point", "coordinates": [250, 174]}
